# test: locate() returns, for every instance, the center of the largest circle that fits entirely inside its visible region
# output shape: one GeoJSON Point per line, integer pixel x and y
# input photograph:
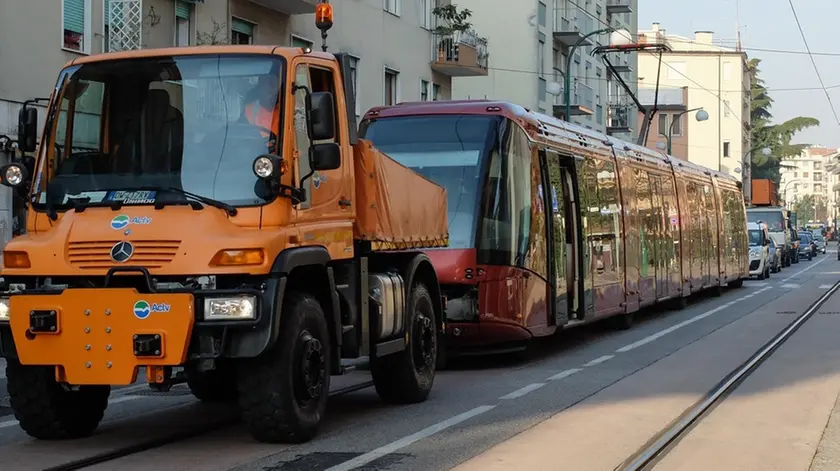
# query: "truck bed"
{"type": "Point", "coordinates": [397, 208]}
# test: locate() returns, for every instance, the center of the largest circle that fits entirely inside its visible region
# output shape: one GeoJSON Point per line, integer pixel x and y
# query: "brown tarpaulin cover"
{"type": "Point", "coordinates": [397, 208]}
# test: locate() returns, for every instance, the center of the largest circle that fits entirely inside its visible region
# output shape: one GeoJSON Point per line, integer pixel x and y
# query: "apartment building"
{"type": "Point", "coordinates": [529, 43]}
{"type": "Point", "coordinates": [667, 125]}
{"type": "Point", "coordinates": [813, 172]}
{"type": "Point", "coordinates": [718, 81]}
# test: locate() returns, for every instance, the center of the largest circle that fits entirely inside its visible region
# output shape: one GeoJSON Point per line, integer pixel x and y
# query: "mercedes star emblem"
{"type": "Point", "coordinates": [122, 251]}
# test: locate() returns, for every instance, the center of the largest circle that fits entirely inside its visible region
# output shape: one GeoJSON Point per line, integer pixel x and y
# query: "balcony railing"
{"type": "Point", "coordinates": [582, 100]}
{"type": "Point", "coordinates": [619, 6]}
{"type": "Point", "coordinates": [571, 24]}
{"type": "Point", "coordinates": [619, 118]}
{"type": "Point", "coordinates": [461, 54]}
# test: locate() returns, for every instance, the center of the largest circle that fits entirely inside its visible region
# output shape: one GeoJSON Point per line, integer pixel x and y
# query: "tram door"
{"type": "Point", "coordinates": [662, 236]}
{"type": "Point", "coordinates": [564, 229]}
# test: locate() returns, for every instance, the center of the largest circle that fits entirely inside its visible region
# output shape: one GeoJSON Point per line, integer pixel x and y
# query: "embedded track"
{"type": "Point", "coordinates": [666, 440]}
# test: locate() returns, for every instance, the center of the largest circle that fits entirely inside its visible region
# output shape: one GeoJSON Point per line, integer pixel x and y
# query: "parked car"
{"type": "Point", "coordinates": [820, 242]}
{"type": "Point", "coordinates": [759, 240]}
{"type": "Point", "coordinates": [806, 250]}
{"type": "Point", "coordinates": [775, 257]}
{"type": "Point", "coordinates": [811, 242]}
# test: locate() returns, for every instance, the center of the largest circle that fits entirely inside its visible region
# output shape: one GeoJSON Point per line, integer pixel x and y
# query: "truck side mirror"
{"type": "Point", "coordinates": [325, 156]}
{"type": "Point", "coordinates": [321, 116]}
{"type": "Point", "coordinates": [27, 129]}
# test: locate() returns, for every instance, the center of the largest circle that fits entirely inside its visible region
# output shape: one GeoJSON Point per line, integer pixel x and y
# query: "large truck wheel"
{"type": "Point", "coordinates": [217, 385]}
{"type": "Point", "coordinates": [48, 410]}
{"type": "Point", "coordinates": [406, 377]}
{"type": "Point", "coordinates": [283, 393]}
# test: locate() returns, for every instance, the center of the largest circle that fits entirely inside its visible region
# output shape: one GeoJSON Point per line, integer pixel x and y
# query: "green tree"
{"type": "Point", "coordinates": [777, 137]}
{"type": "Point", "coordinates": [805, 209]}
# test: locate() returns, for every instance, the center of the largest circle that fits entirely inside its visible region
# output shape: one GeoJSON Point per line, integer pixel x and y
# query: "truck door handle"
{"type": "Point", "coordinates": [344, 203]}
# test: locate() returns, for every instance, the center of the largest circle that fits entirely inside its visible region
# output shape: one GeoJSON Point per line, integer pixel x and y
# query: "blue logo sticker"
{"type": "Point", "coordinates": [142, 309]}
{"type": "Point", "coordinates": [122, 221]}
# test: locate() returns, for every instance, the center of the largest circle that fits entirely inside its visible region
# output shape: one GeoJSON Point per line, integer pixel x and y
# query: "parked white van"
{"type": "Point", "coordinates": [759, 240]}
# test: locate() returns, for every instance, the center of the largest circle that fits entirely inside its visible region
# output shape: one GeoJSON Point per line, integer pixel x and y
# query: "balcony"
{"type": "Point", "coordinates": [462, 54]}
{"type": "Point", "coordinates": [619, 118]}
{"type": "Point", "coordinates": [582, 101]}
{"type": "Point", "coordinates": [619, 6]}
{"type": "Point", "coordinates": [619, 62]}
{"type": "Point", "coordinates": [571, 25]}
{"type": "Point", "coordinates": [291, 7]}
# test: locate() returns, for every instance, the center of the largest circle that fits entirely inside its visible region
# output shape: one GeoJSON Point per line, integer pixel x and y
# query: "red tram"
{"type": "Point", "coordinates": [553, 225]}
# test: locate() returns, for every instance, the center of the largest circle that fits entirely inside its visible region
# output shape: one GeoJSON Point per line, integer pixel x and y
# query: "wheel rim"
{"type": "Point", "coordinates": [424, 339]}
{"type": "Point", "coordinates": [311, 369]}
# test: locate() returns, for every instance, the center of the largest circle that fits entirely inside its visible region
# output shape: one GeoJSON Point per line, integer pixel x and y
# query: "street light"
{"type": "Point", "coordinates": [784, 190]}
{"type": "Point", "coordinates": [618, 37]}
{"type": "Point", "coordinates": [700, 116]}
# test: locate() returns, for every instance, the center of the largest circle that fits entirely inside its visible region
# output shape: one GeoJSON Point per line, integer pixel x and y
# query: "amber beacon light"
{"type": "Point", "coordinates": [324, 21]}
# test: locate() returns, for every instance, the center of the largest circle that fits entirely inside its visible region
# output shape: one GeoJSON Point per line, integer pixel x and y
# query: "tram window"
{"type": "Point", "coordinates": [605, 232]}
{"type": "Point", "coordinates": [536, 259]}
{"type": "Point", "coordinates": [670, 209]}
{"type": "Point", "coordinates": [505, 222]}
{"type": "Point", "coordinates": [589, 211]}
{"type": "Point", "coordinates": [556, 197]}
{"type": "Point", "coordinates": [647, 224]}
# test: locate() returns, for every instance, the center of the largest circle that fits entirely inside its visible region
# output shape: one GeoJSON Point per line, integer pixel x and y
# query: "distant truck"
{"type": "Point", "coordinates": [764, 193]}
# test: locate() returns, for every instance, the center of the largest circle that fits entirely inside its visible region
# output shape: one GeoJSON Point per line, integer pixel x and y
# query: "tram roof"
{"type": "Point", "coordinates": [548, 129]}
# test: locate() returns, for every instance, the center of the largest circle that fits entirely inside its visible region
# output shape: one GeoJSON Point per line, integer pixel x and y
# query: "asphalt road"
{"type": "Point", "coordinates": [475, 406]}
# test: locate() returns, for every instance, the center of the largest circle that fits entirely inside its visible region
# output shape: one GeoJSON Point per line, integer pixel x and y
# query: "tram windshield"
{"type": "Point", "coordinates": [773, 219]}
{"type": "Point", "coordinates": [446, 149]}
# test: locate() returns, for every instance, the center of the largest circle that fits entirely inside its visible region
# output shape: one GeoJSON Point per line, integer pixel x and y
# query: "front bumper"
{"type": "Point", "coordinates": [756, 267]}
{"type": "Point", "coordinates": [104, 335]}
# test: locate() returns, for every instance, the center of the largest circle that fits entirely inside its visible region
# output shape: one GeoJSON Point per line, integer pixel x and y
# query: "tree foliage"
{"type": "Point", "coordinates": [805, 209]}
{"type": "Point", "coordinates": [764, 134]}
{"type": "Point", "coordinates": [453, 19]}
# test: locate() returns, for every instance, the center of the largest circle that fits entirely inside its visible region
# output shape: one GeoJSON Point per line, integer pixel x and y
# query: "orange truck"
{"type": "Point", "coordinates": [211, 212]}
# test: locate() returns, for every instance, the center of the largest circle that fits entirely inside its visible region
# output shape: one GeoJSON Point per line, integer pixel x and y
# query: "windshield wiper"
{"type": "Point", "coordinates": [231, 210]}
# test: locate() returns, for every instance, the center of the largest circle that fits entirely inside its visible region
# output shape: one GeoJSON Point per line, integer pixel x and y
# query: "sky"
{"type": "Point", "coordinates": [770, 24]}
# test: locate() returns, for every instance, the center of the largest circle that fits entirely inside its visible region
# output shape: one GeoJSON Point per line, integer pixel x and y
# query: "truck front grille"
{"type": "Point", "coordinates": [97, 255]}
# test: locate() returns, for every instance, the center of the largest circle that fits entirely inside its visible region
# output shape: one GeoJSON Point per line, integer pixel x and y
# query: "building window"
{"type": "Point", "coordinates": [663, 124]}
{"type": "Point", "coordinates": [726, 108]}
{"type": "Point", "coordinates": [435, 92]}
{"type": "Point", "coordinates": [354, 78]}
{"type": "Point", "coordinates": [76, 25]}
{"type": "Point", "coordinates": [241, 31]}
{"type": "Point", "coordinates": [726, 148]}
{"type": "Point", "coordinates": [542, 14]}
{"type": "Point", "coordinates": [818, 176]}
{"type": "Point", "coordinates": [817, 188]}
{"type": "Point", "coordinates": [424, 90]}
{"type": "Point", "coordinates": [817, 165]}
{"type": "Point", "coordinates": [676, 123]}
{"type": "Point", "coordinates": [298, 41]}
{"type": "Point", "coordinates": [428, 17]}
{"type": "Point", "coordinates": [106, 33]}
{"type": "Point", "coordinates": [392, 6]}
{"type": "Point", "coordinates": [541, 58]}
{"type": "Point", "coordinates": [182, 23]}
{"type": "Point", "coordinates": [391, 86]}
{"type": "Point", "coordinates": [541, 89]}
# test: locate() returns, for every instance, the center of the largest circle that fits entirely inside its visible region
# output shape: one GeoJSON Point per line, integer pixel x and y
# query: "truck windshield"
{"type": "Point", "coordinates": [446, 149]}
{"type": "Point", "coordinates": [193, 123]}
{"type": "Point", "coordinates": [773, 219]}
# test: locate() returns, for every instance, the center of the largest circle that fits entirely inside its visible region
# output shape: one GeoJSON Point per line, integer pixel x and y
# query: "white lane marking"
{"type": "Point", "coordinates": [803, 270]}
{"type": "Point", "coordinates": [522, 391]}
{"type": "Point", "coordinates": [116, 400]}
{"type": "Point", "coordinates": [663, 332]}
{"type": "Point", "coordinates": [564, 374]}
{"type": "Point", "coordinates": [599, 360]}
{"type": "Point", "coordinates": [821, 287]}
{"type": "Point", "coordinates": [789, 286]}
{"type": "Point", "coordinates": [406, 441]}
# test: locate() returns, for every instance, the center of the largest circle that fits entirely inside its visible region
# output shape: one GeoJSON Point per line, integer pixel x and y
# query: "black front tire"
{"type": "Point", "coordinates": [283, 393]}
{"type": "Point", "coordinates": [407, 377]}
{"type": "Point", "coordinates": [736, 283]}
{"type": "Point", "coordinates": [623, 321]}
{"type": "Point", "coordinates": [48, 410]}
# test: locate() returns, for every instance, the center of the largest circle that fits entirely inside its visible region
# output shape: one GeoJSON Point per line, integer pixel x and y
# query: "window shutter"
{"type": "Point", "coordinates": [297, 42]}
{"type": "Point", "coordinates": [182, 10]}
{"type": "Point", "coordinates": [107, 12]}
{"type": "Point", "coordinates": [241, 26]}
{"type": "Point", "coordinates": [74, 16]}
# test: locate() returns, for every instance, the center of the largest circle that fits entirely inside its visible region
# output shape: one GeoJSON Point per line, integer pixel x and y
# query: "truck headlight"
{"type": "Point", "coordinates": [4, 309]}
{"type": "Point", "coordinates": [230, 308]}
